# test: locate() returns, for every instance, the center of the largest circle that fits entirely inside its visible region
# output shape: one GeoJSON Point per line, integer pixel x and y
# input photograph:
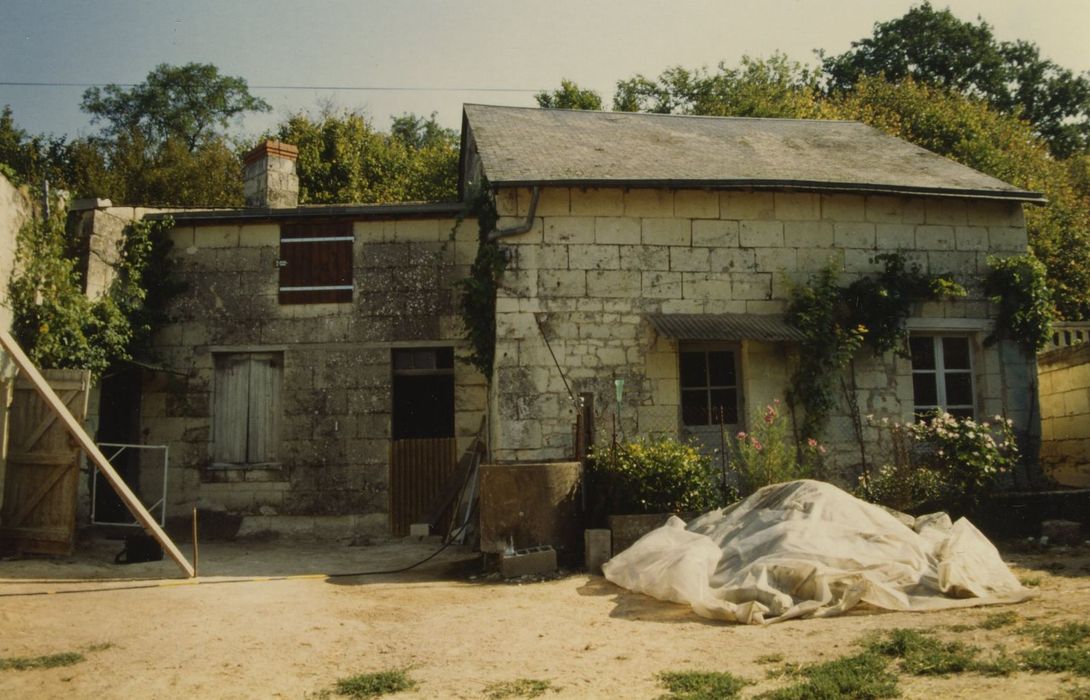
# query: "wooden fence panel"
{"type": "Point", "coordinates": [419, 470]}
{"type": "Point", "coordinates": [42, 479]}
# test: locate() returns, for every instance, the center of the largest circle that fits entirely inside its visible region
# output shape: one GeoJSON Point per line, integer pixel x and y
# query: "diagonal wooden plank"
{"type": "Point", "coordinates": [47, 423]}
{"type": "Point", "coordinates": [123, 491]}
{"type": "Point", "coordinates": [44, 486]}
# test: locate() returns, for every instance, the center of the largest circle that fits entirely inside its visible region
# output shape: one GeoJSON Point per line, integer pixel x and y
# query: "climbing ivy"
{"type": "Point", "coordinates": [836, 321]}
{"type": "Point", "coordinates": [1019, 287]}
{"type": "Point", "coordinates": [478, 299]}
{"type": "Point", "coordinates": [54, 320]}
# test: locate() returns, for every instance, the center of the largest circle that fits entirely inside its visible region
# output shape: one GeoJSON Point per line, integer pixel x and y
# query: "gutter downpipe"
{"type": "Point", "coordinates": [496, 234]}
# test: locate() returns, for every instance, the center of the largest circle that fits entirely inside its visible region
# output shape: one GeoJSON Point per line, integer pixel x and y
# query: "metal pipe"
{"type": "Point", "coordinates": [496, 234]}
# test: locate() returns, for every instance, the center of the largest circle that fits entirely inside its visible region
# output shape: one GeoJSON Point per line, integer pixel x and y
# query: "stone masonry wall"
{"type": "Point", "coordinates": [1064, 376]}
{"type": "Point", "coordinates": [336, 392]}
{"type": "Point", "coordinates": [597, 260]}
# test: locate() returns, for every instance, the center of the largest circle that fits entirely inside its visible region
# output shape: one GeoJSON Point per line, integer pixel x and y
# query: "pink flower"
{"type": "Point", "coordinates": [741, 436]}
{"type": "Point", "coordinates": [811, 443]}
{"type": "Point", "coordinates": [756, 444]}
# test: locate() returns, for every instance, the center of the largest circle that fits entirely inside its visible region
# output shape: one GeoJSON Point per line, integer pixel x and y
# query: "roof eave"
{"type": "Point", "coordinates": [359, 212]}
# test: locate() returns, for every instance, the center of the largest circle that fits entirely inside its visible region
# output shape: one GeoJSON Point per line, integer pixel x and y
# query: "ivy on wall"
{"type": "Point", "coordinates": [478, 299]}
{"type": "Point", "coordinates": [1018, 286]}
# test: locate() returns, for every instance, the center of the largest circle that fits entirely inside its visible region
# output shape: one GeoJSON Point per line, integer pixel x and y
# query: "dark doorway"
{"type": "Point", "coordinates": [119, 422]}
{"type": "Point", "coordinates": [423, 393]}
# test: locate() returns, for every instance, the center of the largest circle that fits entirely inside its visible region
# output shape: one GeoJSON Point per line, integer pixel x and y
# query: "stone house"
{"type": "Point", "coordinates": [313, 341]}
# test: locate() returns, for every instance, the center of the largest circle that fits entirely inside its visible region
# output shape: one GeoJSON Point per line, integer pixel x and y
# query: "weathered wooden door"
{"type": "Point", "coordinates": [419, 471]}
{"type": "Point", "coordinates": [42, 476]}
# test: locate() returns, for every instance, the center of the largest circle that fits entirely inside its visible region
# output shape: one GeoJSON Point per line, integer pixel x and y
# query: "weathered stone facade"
{"type": "Point", "coordinates": [334, 421]}
{"type": "Point", "coordinates": [1064, 375]}
{"type": "Point", "coordinates": [596, 261]}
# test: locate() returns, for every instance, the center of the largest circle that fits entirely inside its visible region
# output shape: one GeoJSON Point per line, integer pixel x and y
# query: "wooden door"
{"type": "Point", "coordinates": [419, 471]}
{"type": "Point", "coordinates": [42, 476]}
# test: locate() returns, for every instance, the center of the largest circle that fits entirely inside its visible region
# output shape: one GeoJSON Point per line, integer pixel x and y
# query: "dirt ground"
{"type": "Point", "coordinates": [146, 633]}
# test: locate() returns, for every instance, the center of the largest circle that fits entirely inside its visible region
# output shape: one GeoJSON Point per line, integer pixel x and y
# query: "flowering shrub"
{"type": "Point", "coordinates": [767, 453]}
{"type": "Point", "coordinates": [944, 460]}
{"type": "Point", "coordinates": [652, 475]}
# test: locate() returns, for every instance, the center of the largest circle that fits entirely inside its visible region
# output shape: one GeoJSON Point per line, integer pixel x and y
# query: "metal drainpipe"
{"type": "Point", "coordinates": [525, 226]}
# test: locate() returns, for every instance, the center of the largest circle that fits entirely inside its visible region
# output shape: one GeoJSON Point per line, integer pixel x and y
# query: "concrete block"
{"type": "Point", "coordinates": [808, 234]}
{"type": "Point", "coordinates": [534, 561]}
{"type": "Point", "coordinates": [645, 257]}
{"type": "Point", "coordinates": [597, 549]}
{"type": "Point", "coordinates": [419, 530]}
{"type": "Point", "coordinates": [569, 229]}
{"type": "Point", "coordinates": [715, 233]}
{"type": "Point", "coordinates": [747, 205]}
{"type": "Point", "coordinates": [842, 207]}
{"type": "Point", "coordinates": [881, 209]}
{"type": "Point", "coordinates": [662, 231]}
{"type": "Point", "coordinates": [696, 204]}
{"type": "Point", "coordinates": [1007, 238]}
{"type": "Point", "coordinates": [797, 206]}
{"type": "Point", "coordinates": [617, 229]}
{"type": "Point", "coordinates": [597, 202]}
{"type": "Point", "coordinates": [647, 202]}
{"type": "Point", "coordinates": [895, 236]}
{"type": "Point", "coordinates": [761, 234]}
{"type": "Point", "coordinates": [854, 235]}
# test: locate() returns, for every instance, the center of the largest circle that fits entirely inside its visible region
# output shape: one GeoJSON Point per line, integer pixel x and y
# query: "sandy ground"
{"type": "Point", "coordinates": [456, 634]}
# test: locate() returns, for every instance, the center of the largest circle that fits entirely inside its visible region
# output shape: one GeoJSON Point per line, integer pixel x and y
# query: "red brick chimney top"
{"type": "Point", "coordinates": [271, 148]}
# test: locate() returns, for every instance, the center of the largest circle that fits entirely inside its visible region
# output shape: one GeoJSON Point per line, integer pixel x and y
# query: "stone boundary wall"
{"type": "Point", "coordinates": [15, 210]}
{"type": "Point", "coordinates": [596, 260]}
{"type": "Point", "coordinates": [1064, 376]}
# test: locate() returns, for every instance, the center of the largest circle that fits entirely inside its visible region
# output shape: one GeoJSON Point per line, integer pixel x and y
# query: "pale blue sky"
{"type": "Point", "coordinates": [522, 45]}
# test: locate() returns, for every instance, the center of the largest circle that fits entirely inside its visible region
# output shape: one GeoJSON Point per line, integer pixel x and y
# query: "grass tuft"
{"type": "Point", "coordinates": [518, 688]}
{"type": "Point", "coordinates": [1063, 636]}
{"type": "Point", "coordinates": [701, 685]}
{"type": "Point", "coordinates": [923, 655]}
{"type": "Point", "coordinates": [26, 663]}
{"type": "Point", "coordinates": [999, 619]}
{"type": "Point", "coordinates": [863, 677]}
{"type": "Point", "coordinates": [373, 685]}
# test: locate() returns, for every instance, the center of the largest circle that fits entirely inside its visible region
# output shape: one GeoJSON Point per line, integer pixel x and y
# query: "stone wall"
{"type": "Point", "coordinates": [1064, 376]}
{"type": "Point", "coordinates": [15, 210]}
{"type": "Point", "coordinates": [335, 417]}
{"type": "Point", "coordinates": [597, 260]}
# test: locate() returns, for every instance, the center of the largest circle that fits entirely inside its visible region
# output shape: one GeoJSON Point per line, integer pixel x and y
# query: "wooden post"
{"type": "Point", "coordinates": [196, 553]}
{"type": "Point", "coordinates": [123, 491]}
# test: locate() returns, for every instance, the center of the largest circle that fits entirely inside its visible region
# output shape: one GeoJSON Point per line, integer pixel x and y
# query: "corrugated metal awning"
{"type": "Point", "coordinates": [724, 327]}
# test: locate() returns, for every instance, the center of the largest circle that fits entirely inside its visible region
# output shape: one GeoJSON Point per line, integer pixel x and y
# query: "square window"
{"type": "Point", "coordinates": [246, 407]}
{"type": "Point", "coordinates": [316, 263]}
{"type": "Point", "coordinates": [942, 375]}
{"type": "Point", "coordinates": [709, 387]}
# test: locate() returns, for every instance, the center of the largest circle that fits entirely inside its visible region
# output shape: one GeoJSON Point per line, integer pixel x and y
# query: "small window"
{"type": "Point", "coordinates": [423, 393]}
{"type": "Point", "coordinates": [709, 387]}
{"type": "Point", "coordinates": [246, 407]}
{"type": "Point", "coordinates": [316, 263]}
{"type": "Point", "coordinates": [942, 375]}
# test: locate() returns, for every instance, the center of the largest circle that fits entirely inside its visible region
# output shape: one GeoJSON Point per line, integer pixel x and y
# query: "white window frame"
{"type": "Point", "coordinates": [939, 372]}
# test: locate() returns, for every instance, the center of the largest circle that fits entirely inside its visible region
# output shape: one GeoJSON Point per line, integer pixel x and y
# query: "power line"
{"type": "Point", "coordinates": [346, 88]}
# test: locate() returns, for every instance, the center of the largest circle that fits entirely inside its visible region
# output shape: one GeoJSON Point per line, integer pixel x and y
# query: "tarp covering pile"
{"type": "Point", "coordinates": [807, 549]}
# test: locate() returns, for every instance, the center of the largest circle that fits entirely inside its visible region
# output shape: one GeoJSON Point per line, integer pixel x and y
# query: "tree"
{"type": "Point", "coordinates": [343, 158]}
{"type": "Point", "coordinates": [190, 103]}
{"type": "Point", "coordinates": [934, 46]}
{"type": "Point", "coordinates": [569, 96]}
{"type": "Point", "coordinates": [774, 87]}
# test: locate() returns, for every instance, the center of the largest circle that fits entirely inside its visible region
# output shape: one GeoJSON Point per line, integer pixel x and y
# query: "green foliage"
{"type": "Point", "coordinates": [701, 685]}
{"type": "Point", "coordinates": [882, 303]}
{"type": "Point", "coordinates": [924, 655]}
{"type": "Point", "coordinates": [943, 461]}
{"type": "Point", "coordinates": [828, 345]}
{"type": "Point", "coordinates": [519, 688]}
{"type": "Point", "coordinates": [652, 475]}
{"type": "Point", "coordinates": [477, 302]}
{"type": "Point", "coordinates": [1018, 286]}
{"type": "Point", "coordinates": [767, 454]}
{"type": "Point", "coordinates": [998, 620]}
{"type": "Point", "coordinates": [933, 46]}
{"type": "Point", "coordinates": [569, 96]}
{"type": "Point", "coordinates": [1063, 648]}
{"type": "Point", "coordinates": [22, 663]}
{"type": "Point", "coordinates": [776, 87]}
{"type": "Point", "coordinates": [373, 685]}
{"type": "Point", "coordinates": [861, 677]}
{"type": "Point", "coordinates": [59, 326]}
{"type": "Point", "coordinates": [343, 158]}
{"type": "Point", "coordinates": [188, 103]}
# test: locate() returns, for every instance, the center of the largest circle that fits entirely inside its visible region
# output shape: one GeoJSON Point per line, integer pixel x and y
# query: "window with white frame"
{"type": "Point", "coordinates": [709, 385]}
{"type": "Point", "coordinates": [942, 375]}
{"type": "Point", "coordinates": [246, 407]}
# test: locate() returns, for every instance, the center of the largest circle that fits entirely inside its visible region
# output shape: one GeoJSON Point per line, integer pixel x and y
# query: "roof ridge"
{"type": "Point", "coordinates": [604, 112]}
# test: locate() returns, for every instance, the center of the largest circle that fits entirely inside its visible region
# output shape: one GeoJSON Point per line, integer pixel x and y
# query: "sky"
{"type": "Point", "coordinates": [433, 56]}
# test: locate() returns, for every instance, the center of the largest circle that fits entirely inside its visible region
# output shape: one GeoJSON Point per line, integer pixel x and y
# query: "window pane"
{"type": "Point", "coordinates": [959, 389]}
{"type": "Point", "coordinates": [923, 390]}
{"type": "Point", "coordinates": [721, 368]}
{"type": "Point", "coordinates": [444, 358]}
{"type": "Point", "coordinates": [724, 406]}
{"type": "Point", "coordinates": [694, 407]}
{"type": "Point", "coordinates": [923, 352]}
{"type": "Point", "coordinates": [955, 353]}
{"type": "Point", "coordinates": [693, 370]}
{"type": "Point", "coordinates": [423, 359]}
{"type": "Point", "coordinates": [961, 412]}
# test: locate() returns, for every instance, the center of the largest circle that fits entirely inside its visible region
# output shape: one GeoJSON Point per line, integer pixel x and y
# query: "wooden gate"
{"type": "Point", "coordinates": [40, 487]}
{"type": "Point", "coordinates": [419, 471]}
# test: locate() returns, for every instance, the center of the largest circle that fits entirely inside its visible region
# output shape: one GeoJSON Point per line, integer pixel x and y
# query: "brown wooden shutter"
{"type": "Point", "coordinates": [316, 263]}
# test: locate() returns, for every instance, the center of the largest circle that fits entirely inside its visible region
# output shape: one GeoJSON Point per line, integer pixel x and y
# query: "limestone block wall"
{"type": "Point", "coordinates": [1064, 376]}
{"type": "Point", "coordinates": [597, 260]}
{"type": "Point", "coordinates": [15, 210]}
{"type": "Point", "coordinates": [335, 418]}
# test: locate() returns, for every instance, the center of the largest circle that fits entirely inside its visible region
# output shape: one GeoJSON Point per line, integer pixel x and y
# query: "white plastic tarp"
{"type": "Point", "coordinates": [808, 549]}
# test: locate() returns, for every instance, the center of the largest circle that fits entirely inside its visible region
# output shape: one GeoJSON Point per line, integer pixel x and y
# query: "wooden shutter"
{"type": "Point", "coordinates": [229, 420]}
{"type": "Point", "coordinates": [264, 405]}
{"type": "Point", "coordinates": [316, 263]}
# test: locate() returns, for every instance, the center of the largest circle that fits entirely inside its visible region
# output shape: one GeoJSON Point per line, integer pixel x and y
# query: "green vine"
{"type": "Point", "coordinates": [54, 320]}
{"type": "Point", "coordinates": [478, 299]}
{"type": "Point", "coordinates": [836, 321]}
{"type": "Point", "coordinates": [1019, 287]}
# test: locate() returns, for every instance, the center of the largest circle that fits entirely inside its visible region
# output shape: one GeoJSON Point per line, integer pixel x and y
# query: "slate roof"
{"type": "Point", "coordinates": [521, 146]}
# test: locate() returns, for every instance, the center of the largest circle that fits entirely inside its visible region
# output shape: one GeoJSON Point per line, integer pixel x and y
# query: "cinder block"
{"type": "Point", "coordinates": [419, 530]}
{"type": "Point", "coordinates": [528, 562]}
{"type": "Point", "coordinates": [598, 548]}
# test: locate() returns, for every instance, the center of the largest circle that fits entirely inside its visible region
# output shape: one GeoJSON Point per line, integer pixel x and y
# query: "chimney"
{"type": "Point", "coordinates": [270, 179]}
